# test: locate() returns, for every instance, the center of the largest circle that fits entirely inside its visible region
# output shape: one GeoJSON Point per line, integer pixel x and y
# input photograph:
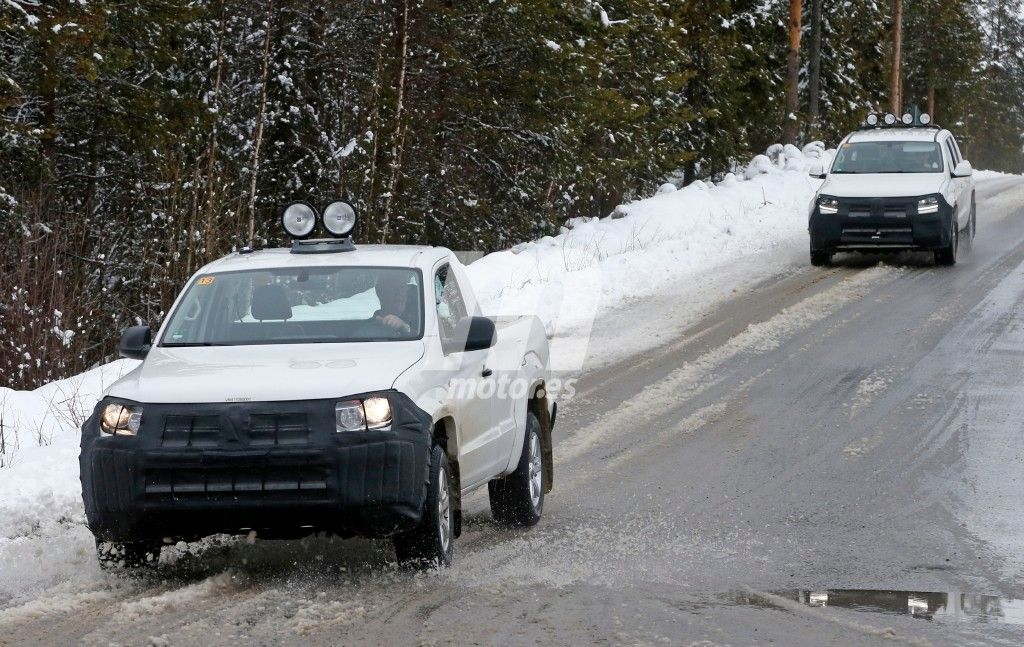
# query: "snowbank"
{"type": "Point", "coordinates": [41, 516]}
{"type": "Point", "coordinates": [592, 267]}
{"type": "Point", "coordinates": [601, 264]}
{"type": "Point", "coordinates": [991, 175]}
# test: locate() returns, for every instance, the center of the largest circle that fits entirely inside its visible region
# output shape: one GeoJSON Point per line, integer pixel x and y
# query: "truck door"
{"type": "Point", "coordinates": [960, 185]}
{"type": "Point", "coordinates": [965, 186]}
{"type": "Point", "coordinates": [474, 418]}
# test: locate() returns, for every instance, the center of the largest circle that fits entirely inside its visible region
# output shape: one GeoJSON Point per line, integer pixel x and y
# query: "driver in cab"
{"type": "Point", "coordinates": [398, 302]}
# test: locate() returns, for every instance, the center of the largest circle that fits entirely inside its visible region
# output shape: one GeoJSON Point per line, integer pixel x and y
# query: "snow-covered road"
{"type": "Point", "coordinates": [773, 429]}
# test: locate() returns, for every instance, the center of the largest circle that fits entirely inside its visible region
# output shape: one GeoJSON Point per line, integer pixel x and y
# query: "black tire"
{"type": "Point", "coordinates": [127, 556]}
{"type": "Point", "coordinates": [429, 544]}
{"type": "Point", "coordinates": [974, 219]}
{"type": "Point", "coordinates": [821, 258]}
{"type": "Point", "coordinates": [518, 499]}
{"type": "Point", "coordinates": [947, 255]}
{"type": "Point", "coordinates": [967, 243]}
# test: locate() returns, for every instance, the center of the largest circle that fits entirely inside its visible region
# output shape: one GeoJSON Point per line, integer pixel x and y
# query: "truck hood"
{"type": "Point", "coordinates": [883, 185]}
{"type": "Point", "coordinates": [266, 373]}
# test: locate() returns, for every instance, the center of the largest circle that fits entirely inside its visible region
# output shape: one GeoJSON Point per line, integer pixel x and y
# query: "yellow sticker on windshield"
{"type": "Point", "coordinates": [206, 280]}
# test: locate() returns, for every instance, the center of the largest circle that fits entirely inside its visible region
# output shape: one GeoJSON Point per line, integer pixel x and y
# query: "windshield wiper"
{"type": "Point", "coordinates": [186, 344]}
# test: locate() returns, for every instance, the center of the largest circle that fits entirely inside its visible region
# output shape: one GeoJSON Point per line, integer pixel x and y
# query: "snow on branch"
{"type": "Point", "coordinates": [20, 6]}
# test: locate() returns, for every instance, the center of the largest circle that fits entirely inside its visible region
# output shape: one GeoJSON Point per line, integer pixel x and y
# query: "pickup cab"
{"type": "Point", "coordinates": [320, 388]}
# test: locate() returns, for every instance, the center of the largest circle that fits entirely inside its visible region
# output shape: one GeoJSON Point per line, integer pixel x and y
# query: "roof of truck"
{"type": "Point", "coordinates": [362, 255]}
{"type": "Point", "coordinates": [896, 134]}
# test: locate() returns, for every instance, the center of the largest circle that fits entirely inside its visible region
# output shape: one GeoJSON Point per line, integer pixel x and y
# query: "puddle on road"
{"type": "Point", "coordinates": [951, 606]}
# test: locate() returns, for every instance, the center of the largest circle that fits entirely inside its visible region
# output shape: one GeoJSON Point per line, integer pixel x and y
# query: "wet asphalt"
{"type": "Point", "coordinates": [835, 456]}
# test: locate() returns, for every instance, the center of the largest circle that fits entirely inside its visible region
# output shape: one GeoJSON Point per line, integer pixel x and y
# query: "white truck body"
{"type": "Point", "coordinates": [208, 421]}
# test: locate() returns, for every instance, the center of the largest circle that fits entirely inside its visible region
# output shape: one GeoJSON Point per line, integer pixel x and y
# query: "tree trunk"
{"type": "Point", "coordinates": [374, 126]}
{"type": "Point", "coordinates": [931, 100]}
{"type": "Point", "coordinates": [397, 139]}
{"type": "Point", "coordinates": [261, 114]}
{"type": "Point", "coordinates": [790, 123]}
{"type": "Point", "coordinates": [210, 228]}
{"type": "Point", "coordinates": [895, 73]}
{"type": "Point", "coordinates": [814, 76]}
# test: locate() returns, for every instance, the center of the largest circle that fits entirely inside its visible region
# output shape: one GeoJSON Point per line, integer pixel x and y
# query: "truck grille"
{"type": "Point", "coordinates": [251, 430]}
{"type": "Point", "coordinates": [240, 479]}
{"type": "Point", "coordinates": [877, 236]}
{"type": "Point", "coordinates": [887, 213]}
{"type": "Point", "coordinates": [880, 208]}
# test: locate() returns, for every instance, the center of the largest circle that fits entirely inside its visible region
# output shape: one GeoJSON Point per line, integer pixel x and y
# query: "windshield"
{"type": "Point", "coordinates": [299, 306]}
{"type": "Point", "coordinates": [888, 157]}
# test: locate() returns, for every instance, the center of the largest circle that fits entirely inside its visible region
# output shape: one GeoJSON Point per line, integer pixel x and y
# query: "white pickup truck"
{"type": "Point", "coordinates": [320, 388]}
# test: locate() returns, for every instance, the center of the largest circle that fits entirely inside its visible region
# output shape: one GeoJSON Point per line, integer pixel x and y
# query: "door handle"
{"type": "Point", "coordinates": [486, 372]}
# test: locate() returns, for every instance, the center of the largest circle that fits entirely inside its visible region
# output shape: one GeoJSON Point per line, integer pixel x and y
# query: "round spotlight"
{"type": "Point", "coordinates": [925, 119]}
{"type": "Point", "coordinates": [339, 218]}
{"type": "Point", "coordinates": [890, 119]}
{"type": "Point", "coordinates": [872, 120]}
{"type": "Point", "coordinates": [299, 219]}
{"type": "Point", "coordinates": [908, 119]}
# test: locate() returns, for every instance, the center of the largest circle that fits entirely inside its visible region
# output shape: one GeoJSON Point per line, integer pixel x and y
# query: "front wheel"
{"type": "Point", "coordinates": [947, 255]}
{"type": "Point", "coordinates": [820, 258]}
{"type": "Point", "coordinates": [518, 499]}
{"type": "Point", "coordinates": [127, 556]}
{"type": "Point", "coordinates": [430, 543]}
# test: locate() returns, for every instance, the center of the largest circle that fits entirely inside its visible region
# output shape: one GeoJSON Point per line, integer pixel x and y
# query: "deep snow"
{"type": "Point", "coordinates": [696, 244]}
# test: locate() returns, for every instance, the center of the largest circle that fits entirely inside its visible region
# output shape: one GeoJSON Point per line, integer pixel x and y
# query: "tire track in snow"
{"type": "Point", "coordinates": [697, 376]}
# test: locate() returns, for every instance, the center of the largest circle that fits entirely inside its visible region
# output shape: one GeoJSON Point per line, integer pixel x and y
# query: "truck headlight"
{"type": "Point", "coordinates": [362, 415]}
{"type": "Point", "coordinates": [120, 420]}
{"type": "Point", "coordinates": [928, 205]}
{"type": "Point", "coordinates": [828, 205]}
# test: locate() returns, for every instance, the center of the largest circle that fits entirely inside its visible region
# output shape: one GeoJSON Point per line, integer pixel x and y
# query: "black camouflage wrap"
{"type": "Point", "coordinates": [278, 468]}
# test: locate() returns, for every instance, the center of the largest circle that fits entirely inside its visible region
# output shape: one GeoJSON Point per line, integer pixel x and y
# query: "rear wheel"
{"type": "Point", "coordinates": [127, 556]}
{"type": "Point", "coordinates": [820, 258]}
{"type": "Point", "coordinates": [518, 499]}
{"type": "Point", "coordinates": [947, 255]}
{"type": "Point", "coordinates": [430, 543]}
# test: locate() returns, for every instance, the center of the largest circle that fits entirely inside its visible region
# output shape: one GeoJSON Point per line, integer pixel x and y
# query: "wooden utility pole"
{"type": "Point", "coordinates": [790, 123]}
{"type": "Point", "coordinates": [814, 74]}
{"type": "Point", "coordinates": [895, 74]}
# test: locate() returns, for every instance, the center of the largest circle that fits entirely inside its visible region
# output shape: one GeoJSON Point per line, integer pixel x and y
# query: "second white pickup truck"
{"type": "Point", "coordinates": [320, 388]}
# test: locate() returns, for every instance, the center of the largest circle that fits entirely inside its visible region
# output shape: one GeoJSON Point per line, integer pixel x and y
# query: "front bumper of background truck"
{"type": "Point", "coordinates": [880, 224]}
{"type": "Point", "coordinates": [278, 468]}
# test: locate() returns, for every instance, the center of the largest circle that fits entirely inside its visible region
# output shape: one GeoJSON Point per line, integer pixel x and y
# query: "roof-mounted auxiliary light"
{"type": "Point", "coordinates": [913, 118]}
{"type": "Point", "coordinates": [299, 220]}
{"type": "Point", "coordinates": [339, 218]}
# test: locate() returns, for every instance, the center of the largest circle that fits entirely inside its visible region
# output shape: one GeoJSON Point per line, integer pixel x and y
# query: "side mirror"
{"type": "Point", "coordinates": [472, 333]}
{"type": "Point", "coordinates": [135, 342]}
{"type": "Point", "coordinates": [963, 169]}
{"type": "Point", "coordinates": [818, 171]}
{"type": "Point", "coordinates": [482, 334]}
